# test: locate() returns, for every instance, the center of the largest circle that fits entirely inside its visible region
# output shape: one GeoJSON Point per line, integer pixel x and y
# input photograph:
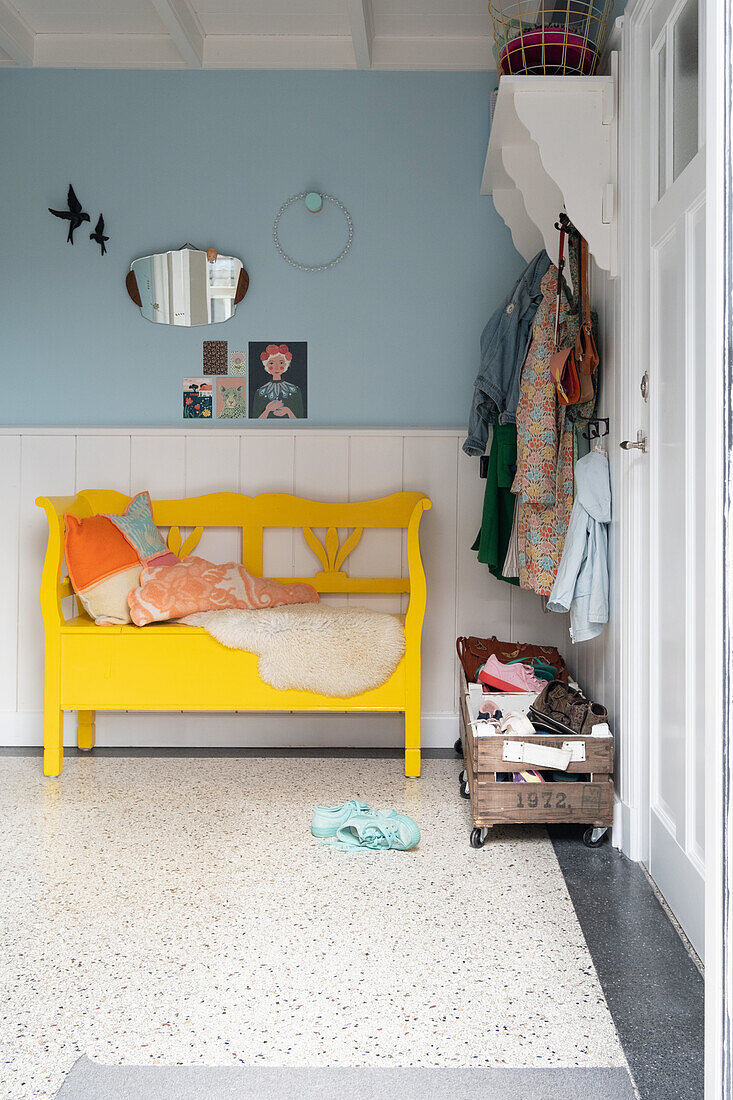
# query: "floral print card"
{"type": "Point", "coordinates": [278, 381]}
{"type": "Point", "coordinates": [197, 398]}
{"type": "Point", "coordinates": [231, 399]}
{"type": "Point", "coordinates": [237, 362]}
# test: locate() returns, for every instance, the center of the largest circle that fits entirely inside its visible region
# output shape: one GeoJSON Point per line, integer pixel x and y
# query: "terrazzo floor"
{"type": "Point", "coordinates": [170, 911]}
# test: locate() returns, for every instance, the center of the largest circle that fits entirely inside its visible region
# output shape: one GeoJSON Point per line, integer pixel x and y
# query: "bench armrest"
{"type": "Point", "coordinates": [54, 587]}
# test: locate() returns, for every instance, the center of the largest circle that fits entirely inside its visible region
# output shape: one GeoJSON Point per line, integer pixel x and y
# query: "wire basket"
{"type": "Point", "coordinates": [549, 37]}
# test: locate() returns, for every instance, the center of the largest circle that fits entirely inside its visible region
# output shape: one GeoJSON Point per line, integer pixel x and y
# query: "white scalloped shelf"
{"type": "Point", "coordinates": [553, 147]}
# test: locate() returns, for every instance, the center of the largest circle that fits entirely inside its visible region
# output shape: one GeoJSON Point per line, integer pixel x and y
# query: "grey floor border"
{"type": "Point", "coordinates": [89, 1080]}
{"type": "Point", "coordinates": [654, 990]}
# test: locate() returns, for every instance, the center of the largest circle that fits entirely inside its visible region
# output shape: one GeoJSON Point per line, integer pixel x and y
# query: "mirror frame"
{"type": "Point", "coordinates": [134, 292]}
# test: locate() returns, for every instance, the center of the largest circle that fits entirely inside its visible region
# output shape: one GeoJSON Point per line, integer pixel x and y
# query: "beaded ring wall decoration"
{"type": "Point", "coordinates": [314, 206]}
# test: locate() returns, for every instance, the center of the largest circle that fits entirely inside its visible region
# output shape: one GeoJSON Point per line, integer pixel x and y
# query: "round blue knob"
{"type": "Point", "coordinates": [313, 202]}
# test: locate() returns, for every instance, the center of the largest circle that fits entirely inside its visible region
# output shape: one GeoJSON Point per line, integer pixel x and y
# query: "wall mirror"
{"type": "Point", "coordinates": [187, 287]}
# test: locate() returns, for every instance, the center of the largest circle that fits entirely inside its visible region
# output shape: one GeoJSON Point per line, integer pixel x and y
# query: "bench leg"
{"type": "Point", "coordinates": [53, 739]}
{"type": "Point", "coordinates": [86, 734]}
{"type": "Point", "coordinates": [412, 741]}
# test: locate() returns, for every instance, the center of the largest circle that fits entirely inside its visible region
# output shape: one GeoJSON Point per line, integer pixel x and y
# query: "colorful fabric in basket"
{"type": "Point", "coordinates": [171, 592]}
{"type": "Point", "coordinates": [513, 677]}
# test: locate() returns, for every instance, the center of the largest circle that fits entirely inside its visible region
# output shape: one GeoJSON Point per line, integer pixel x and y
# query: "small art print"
{"type": "Point", "coordinates": [197, 398]}
{"type": "Point", "coordinates": [237, 362]}
{"type": "Point", "coordinates": [278, 381]}
{"type": "Point", "coordinates": [231, 399]}
{"type": "Point", "coordinates": [215, 356]}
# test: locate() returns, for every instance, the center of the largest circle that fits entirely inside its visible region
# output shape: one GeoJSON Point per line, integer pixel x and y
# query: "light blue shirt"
{"type": "Point", "coordinates": [581, 585]}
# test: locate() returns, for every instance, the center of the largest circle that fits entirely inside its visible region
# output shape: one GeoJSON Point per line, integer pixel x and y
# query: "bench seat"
{"type": "Point", "coordinates": [176, 667]}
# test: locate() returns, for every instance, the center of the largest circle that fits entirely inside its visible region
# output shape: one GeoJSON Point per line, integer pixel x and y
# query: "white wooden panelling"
{"type": "Point", "coordinates": [11, 496]}
{"type": "Point", "coordinates": [431, 465]}
{"type": "Point", "coordinates": [103, 462]}
{"type": "Point", "coordinates": [16, 38]}
{"type": "Point", "coordinates": [483, 603]}
{"type": "Point", "coordinates": [596, 663]}
{"type": "Point", "coordinates": [183, 26]}
{"type": "Point", "coordinates": [212, 465]}
{"type": "Point", "coordinates": [318, 34]}
{"type": "Point", "coordinates": [267, 465]}
{"type": "Point", "coordinates": [375, 466]}
{"type": "Point", "coordinates": [47, 469]}
{"type": "Point", "coordinates": [321, 473]}
{"type": "Point", "coordinates": [326, 464]}
{"type": "Point", "coordinates": [362, 31]}
{"type": "Point", "coordinates": [158, 463]}
{"type": "Point", "coordinates": [698, 625]}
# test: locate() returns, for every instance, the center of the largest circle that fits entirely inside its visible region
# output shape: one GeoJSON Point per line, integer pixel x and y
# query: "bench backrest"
{"type": "Point", "coordinates": [252, 515]}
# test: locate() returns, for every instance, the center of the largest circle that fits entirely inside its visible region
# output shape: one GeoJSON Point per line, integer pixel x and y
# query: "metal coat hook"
{"type": "Point", "coordinates": [593, 428]}
{"type": "Point", "coordinates": [564, 225]}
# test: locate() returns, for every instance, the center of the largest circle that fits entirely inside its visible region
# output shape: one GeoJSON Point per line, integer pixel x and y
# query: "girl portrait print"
{"type": "Point", "coordinates": [282, 371]}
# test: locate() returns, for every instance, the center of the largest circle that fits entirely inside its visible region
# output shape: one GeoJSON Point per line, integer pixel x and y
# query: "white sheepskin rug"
{"type": "Point", "coordinates": [341, 651]}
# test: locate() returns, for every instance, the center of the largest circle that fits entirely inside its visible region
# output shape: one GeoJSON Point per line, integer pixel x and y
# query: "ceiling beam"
{"type": "Point", "coordinates": [362, 31]}
{"type": "Point", "coordinates": [16, 39]}
{"type": "Point", "coordinates": [183, 26]}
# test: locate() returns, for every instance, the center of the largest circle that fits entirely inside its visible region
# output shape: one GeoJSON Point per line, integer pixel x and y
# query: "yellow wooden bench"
{"type": "Point", "coordinates": [90, 668]}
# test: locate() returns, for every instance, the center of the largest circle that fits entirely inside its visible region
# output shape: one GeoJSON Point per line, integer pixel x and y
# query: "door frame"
{"type": "Point", "coordinates": [718, 85]}
{"type": "Point", "coordinates": [717, 713]}
{"type": "Point", "coordinates": [633, 505]}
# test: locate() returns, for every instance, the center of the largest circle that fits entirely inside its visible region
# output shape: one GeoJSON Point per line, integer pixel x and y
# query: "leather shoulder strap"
{"type": "Point", "coordinates": [585, 297]}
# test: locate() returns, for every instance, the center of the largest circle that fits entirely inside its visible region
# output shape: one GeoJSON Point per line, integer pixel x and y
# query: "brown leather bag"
{"type": "Point", "coordinates": [585, 352]}
{"type": "Point", "coordinates": [564, 371]}
{"type": "Point", "coordinates": [474, 652]}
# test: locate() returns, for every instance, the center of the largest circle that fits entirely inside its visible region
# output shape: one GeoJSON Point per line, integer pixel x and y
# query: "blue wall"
{"type": "Point", "coordinates": [208, 157]}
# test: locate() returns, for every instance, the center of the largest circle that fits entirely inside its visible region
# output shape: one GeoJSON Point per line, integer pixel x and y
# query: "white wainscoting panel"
{"type": "Point", "coordinates": [597, 663]}
{"type": "Point", "coordinates": [351, 464]}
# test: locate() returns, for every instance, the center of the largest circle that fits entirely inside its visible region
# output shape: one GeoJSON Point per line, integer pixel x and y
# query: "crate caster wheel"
{"type": "Point", "coordinates": [463, 777]}
{"type": "Point", "coordinates": [465, 793]}
{"type": "Point", "coordinates": [458, 747]}
{"type": "Point", "coordinates": [593, 837]}
{"type": "Point", "coordinates": [478, 837]}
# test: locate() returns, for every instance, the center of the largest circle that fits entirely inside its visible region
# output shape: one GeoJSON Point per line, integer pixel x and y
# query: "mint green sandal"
{"type": "Point", "coordinates": [327, 819]}
{"type": "Point", "coordinates": [378, 832]}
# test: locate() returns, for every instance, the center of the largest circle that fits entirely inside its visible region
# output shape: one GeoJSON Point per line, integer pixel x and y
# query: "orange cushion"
{"type": "Point", "coordinates": [95, 549]}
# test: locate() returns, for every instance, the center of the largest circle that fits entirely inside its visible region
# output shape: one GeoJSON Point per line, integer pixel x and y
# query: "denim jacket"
{"type": "Point", "coordinates": [504, 345]}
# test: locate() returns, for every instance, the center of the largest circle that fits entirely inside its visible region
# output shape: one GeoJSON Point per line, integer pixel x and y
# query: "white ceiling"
{"type": "Point", "coordinates": [246, 34]}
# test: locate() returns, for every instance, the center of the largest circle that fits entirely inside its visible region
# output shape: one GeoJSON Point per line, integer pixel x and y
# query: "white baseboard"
{"type": "Point", "coordinates": [288, 730]}
{"type": "Point", "coordinates": [621, 830]}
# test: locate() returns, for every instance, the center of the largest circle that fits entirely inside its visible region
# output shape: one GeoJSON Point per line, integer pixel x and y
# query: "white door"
{"type": "Point", "coordinates": [669, 276]}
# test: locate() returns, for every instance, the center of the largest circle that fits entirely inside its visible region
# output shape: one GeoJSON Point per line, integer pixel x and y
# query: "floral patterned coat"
{"type": "Point", "coordinates": [544, 479]}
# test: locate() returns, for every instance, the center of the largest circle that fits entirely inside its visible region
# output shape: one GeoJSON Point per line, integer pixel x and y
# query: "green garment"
{"type": "Point", "coordinates": [492, 540]}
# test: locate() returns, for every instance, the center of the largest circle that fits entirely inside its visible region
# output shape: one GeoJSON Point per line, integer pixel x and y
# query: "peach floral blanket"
{"type": "Point", "coordinates": [193, 585]}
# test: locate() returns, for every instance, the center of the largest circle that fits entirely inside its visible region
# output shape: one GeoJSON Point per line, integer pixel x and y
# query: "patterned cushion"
{"type": "Point", "coordinates": [170, 592]}
{"type": "Point", "coordinates": [136, 524]}
{"type": "Point", "coordinates": [105, 555]}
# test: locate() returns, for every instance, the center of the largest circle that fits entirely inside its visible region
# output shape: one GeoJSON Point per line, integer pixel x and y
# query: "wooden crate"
{"type": "Point", "coordinates": [586, 802]}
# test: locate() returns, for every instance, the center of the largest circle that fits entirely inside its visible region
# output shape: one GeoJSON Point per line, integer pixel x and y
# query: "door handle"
{"type": "Point", "coordinates": [640, 444]}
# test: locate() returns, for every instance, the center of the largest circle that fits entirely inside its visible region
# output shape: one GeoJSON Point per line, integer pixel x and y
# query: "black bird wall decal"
{"type": "Point", "coordinates": [74, 215]}
{"type": "Point", "coordinates": [98, 234]}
